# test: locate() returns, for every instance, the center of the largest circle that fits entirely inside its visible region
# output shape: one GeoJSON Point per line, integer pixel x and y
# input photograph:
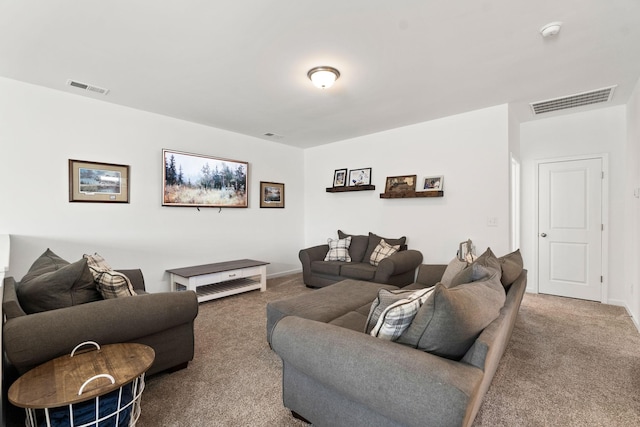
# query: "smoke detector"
{"type": "Point", "coordinates": [85, 86]}
{"type": "Point", "coordinates": [551, 29]}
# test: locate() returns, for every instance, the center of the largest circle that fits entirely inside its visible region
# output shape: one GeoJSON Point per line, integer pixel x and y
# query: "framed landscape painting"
{"type": "Point", "coordinates": [271, 195]}
{"type": "Point", "coordinates": [203, 181]}
{"type": "Point", "coordinates": [98, 182]}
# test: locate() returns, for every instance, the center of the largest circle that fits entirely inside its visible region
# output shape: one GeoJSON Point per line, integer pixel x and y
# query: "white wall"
{"type": "Point", "coordinates": [632, 207]}
{"type": "Point", "coordinates": [470, 150]}
{"type": "Point", "coordinates": [584, 133]}
{"type": "Point", "coordinates": [40, 129]}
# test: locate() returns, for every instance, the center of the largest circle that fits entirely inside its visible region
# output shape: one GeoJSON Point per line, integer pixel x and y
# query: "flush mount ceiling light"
{"type": "Point", "coordinates": [551, 29]}
{"type": "Point", "coordinates": [323, 77]}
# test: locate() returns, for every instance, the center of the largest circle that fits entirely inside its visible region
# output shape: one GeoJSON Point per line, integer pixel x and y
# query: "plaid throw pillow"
{"type": "Point", "coordinates": [393, 311]}
{"type": "Point", "coordinates": [338, 250]}
{"type": "Point", "coordinates": [382, 251]}
{"type": "Point", "coordinates": [110, 283]}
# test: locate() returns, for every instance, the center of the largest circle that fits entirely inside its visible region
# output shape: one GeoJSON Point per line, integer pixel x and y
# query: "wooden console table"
{"type": "Point", "coordinates": [221, 279]}
{"type": "Point", "coordinates": [68, 383]}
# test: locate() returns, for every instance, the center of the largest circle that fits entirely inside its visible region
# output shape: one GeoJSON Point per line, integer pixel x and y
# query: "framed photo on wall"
{"type": "Point", "coordinates": [433, 183]}
{"type": "Point", "coordinates": [359, 177]}
{"type": "Point", "coordinates": [98, 182]}
{"type": "Point", "coordinates": [271, 194]}
{"type": "Point", "coordinates": [340, 178]}
{"type": "Point", "coordinates": [400, 184]}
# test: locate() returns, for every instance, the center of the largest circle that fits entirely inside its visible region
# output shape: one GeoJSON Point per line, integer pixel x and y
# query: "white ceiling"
{"type": "Point", "coordinates": [241, 65]}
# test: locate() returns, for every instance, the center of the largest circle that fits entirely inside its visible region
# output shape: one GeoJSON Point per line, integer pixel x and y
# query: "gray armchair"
{"type": "Point", "coordinates": [163, 321]}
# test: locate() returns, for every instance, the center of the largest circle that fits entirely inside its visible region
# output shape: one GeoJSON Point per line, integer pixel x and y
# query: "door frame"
{"type": "Point", "coordinates": [604, 157]}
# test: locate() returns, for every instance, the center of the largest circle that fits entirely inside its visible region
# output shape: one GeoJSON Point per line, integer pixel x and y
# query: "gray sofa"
{"type": "Point", "coordinates": [336, 375]}
{"type": "Point", "coordinates": [398, 269]}
{"type": "Point", "coordinates": [163, 321]}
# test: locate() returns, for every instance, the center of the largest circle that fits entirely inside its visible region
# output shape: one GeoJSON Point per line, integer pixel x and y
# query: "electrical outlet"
{"type": "Point", "coordinates": [492, 221]}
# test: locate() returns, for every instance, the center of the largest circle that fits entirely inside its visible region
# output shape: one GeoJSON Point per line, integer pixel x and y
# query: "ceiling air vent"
{"type": "Point", "coordinates": [571, 101]}
{"type": "Point", "coordinates": [90, 88]}
{"type": "Point", "coordinates": [273, 135]}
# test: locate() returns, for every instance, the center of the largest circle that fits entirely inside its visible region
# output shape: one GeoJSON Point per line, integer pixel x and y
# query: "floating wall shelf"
{"type": "Point", "coordinates": [350, 188]}
{"type": "Point", "coordinates": [410, 194]}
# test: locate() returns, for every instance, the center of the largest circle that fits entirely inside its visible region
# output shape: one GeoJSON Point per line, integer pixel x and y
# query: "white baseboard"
{"type": "Point", "coordinates": [284, 273]}
{"type": "Point", "coordinates": [626, 307]}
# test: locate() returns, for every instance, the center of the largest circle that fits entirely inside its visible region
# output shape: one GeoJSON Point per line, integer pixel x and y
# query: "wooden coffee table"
{"type": "Point", "coordinates": [84, 375]}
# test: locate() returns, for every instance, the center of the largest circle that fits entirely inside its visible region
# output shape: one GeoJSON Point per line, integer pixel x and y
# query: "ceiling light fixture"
{"type": "Point", "coordinates": [323, 77]}
{"type": "Point", "coordinates": [551, 29]}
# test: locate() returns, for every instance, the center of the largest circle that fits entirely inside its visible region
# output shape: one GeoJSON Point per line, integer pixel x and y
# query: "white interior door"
{"type": "Point", "coordinates": [570, 228]}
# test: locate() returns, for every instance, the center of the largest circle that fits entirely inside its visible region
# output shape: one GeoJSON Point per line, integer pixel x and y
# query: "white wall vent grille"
{"type": "Point", "coordinates": [572, 101]}
{"type": "Point", "coordinates": [90, 88]}
{"type": "Point", "coordinates": [273, 135]}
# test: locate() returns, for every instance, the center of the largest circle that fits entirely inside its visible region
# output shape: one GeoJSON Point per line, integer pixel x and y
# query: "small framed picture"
{"type": "Point", "coordinates": [340, 178]}
{"type": "Point", "coordinates": [98, 182]}
{"type": "Point", "coordinates": [433, 183]}
{"type": "Point", "coordinates": [359, 177]}
{"type": "Point", "coordinates": [400, 184]}
{"type": "Point", "coordinates": [271, 195]}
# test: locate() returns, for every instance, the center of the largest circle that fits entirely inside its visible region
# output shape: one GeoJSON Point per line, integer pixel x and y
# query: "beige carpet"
{"type": "Point", "coordinates": [569, 363]}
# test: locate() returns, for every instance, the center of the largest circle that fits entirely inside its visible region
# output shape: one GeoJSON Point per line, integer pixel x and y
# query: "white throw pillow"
{"type": "Point", "coordinates": [393, 311]}
{"type": "Point", "coordinates": [382, 251]}
{"type": "Point", "coordinates": [338, 250]}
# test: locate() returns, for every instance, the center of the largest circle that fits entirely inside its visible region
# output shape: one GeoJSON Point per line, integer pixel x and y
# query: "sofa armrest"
{"type": "Point", "coordinates": [398, 263]}
{"type": "Point", "coordinates": [307, 256]}
{"type": "Point", "coordinates": [35, 338]}
{"type": "Point", "coordinates": [10, 305]}
{"type": "Point", "coordinates": [410, 386]}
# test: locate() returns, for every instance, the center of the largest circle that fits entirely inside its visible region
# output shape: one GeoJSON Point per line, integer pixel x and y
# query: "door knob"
{"type": "Point", "coordinates": [543, 234]}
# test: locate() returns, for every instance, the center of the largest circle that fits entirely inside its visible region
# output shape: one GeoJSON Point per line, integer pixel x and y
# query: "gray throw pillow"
{"type": "Point", "coordinates": [358, 245]}
{"type": "Point", "coordinates": [512, 266]}
{"type": "Point", "coordinates": [374, 240]}
{"type": "Point", "coordinates": [451, 319]}
{"type": "Point", "coordinates": [53, 283]}
{"type": "Point", "coordinates": [454, 267]}
{"type": "Point", "coordinates": [472, 273]}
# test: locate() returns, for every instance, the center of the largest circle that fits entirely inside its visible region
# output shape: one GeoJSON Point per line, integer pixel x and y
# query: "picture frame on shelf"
{"type": "Point", "coordinates": [359, 177]}
{"type": "Point", "coordinates": [400, 184]}
{"type": "Point", "coordinates": [433, 183]}
{"type": "Point", "coordinates": [98, 182]}
{"type": "Point", "coordinates": [198, 180]}
{"type": "Point", "coordinates": [340, 178]}
{"type": "Point", "coordinates": [271, 194]}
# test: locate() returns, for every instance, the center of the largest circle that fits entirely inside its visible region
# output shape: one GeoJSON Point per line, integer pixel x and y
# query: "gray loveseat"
{"type": "Point", "coordinates": [398, 269]}
{"type": "Point", "coordinates": [336, 375]}
{"type": "Point", "coordinates": [163, 321]}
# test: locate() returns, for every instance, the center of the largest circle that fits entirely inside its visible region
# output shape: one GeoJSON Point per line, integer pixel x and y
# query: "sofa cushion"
{"type": "Point", "coordinates": [373, 243]}
{"type": "Point", "coordinates": [512, 266]}
{"type": "Point", "coordinates": [454, 267]}
{"type": "Point", "coordinates": [472, 273]}
{"type": "Point", "coordinates": [382, 251]}
{"type": "Point", "coordinates": [451, 319]}
{"type": "Point", "coordinates": [331, 268]}
{"type": "Point", "coordinates": [358, 271]}
{"type": "Point", "coordinates": [351, 320]}
{"type": "Point", "coordinates": [391, 312]}
{"type": "Point", "coordinates": [358, 246]}
{"type": "Point", "coordinates": [110, 283]}
{"type": "Point", "coordinates": [53, 283]}
{"type": "Point", "coordinates": [338, 250]}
